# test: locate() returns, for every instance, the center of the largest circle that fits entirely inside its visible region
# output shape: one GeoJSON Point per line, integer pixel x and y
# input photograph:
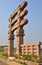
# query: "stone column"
{"type": "Point", "coordinates": [19, 40]}
{"type": "Point", "coordinates": [10, 40]}
{"type": "Point", "coordinates": [19, 35]}
{"type": "Point", "coordinates": [10, 45]}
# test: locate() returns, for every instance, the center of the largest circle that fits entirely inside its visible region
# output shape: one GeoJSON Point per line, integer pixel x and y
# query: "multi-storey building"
{"type": "Point", "coordinates": [34, 47]}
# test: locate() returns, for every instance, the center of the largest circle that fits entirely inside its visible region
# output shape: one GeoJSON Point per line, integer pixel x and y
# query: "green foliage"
{"type": "Point", "coordinates": [41, 59]}
{"type": "Point", "coordinates": [5, 54]}
{"type": "Point", "coordinates": [2, 48]}
{"type": "Point", "coordinates": [33, 57]}
{"type": "Point", "coordinates": [38, 60]}
{"type": "Point", "coordinates": [15, 55]}
{"type": "Point", "coordinates": [25, 57]}
{"type": "Point", "coordinates": [22, 63]}
{"type": "Point", "coordinates": [29, 57]}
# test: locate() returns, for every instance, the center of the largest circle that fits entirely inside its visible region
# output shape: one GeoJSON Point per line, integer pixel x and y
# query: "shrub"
{"type": "Point", "coordinates": [16, 55]}
{"type": "Point", "coordinates": [5, 54]}
{"type": "Point", "coordinates": [41, 59]}
{"type": "Point", "coordinates": [38, 60]}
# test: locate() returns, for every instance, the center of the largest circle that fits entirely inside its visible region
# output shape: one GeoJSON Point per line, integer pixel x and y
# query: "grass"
{"type": "Point", "coordinates": [22, 63]}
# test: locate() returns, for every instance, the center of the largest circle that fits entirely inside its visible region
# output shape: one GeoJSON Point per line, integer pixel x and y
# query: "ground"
{"type": "Point", "coordinates": [5, 62]}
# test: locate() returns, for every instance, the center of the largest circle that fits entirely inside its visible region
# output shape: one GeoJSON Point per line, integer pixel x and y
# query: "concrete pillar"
{"type": "Point", "coordinates": [19, 40]}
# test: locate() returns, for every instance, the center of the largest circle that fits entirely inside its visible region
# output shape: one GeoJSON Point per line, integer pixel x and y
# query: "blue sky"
{"type": "Point", "coordinates": [33, 30]}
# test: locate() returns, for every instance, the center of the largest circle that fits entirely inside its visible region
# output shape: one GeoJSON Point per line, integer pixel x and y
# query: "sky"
{"type": "Point", "coordinates": [33, 30]}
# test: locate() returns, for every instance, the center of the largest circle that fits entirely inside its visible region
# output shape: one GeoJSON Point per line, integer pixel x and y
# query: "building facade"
{"type": "Point", "coordinates": [34, 47]}
{"type": "Point", "coordinates": [6, 49]}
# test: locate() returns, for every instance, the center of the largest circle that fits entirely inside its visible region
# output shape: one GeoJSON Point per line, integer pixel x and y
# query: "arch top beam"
{"type": "Point", "coordinates": [22, 14]}
{"type": "Point", "coordinates": [22, 6]}
{"type": "Point", "coordinates": [21, 24]}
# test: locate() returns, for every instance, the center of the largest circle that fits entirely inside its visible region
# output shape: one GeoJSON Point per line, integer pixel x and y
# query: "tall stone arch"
{"type": "Point", "coordinates": [17, 22]}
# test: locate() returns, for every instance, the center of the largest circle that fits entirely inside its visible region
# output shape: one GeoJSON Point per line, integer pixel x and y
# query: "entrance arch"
{"type": "Point", "coordinates": [17, 22]}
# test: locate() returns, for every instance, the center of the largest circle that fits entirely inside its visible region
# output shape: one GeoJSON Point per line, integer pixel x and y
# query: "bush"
{"type": "Point", "coordinates": [41, 59]}
{"type": "Point", "coordinates": [16, 55]}
{"type": "Point", "coordinates": [2, 48]}
{"type": "Point", "coordinates": [38, 60]}
{"type": "Point", "coordinates": [5, 54]}
{"type": "Point", "coordinates": [25, 57]}
{"type": "Point", "coordinates": [22, 63]}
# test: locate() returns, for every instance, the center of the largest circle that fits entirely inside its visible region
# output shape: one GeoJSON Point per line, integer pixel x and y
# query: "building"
{"type": "Point", "coordinates": [34, 47]}
{"type": "Point", "coordinates": [6, 49]}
